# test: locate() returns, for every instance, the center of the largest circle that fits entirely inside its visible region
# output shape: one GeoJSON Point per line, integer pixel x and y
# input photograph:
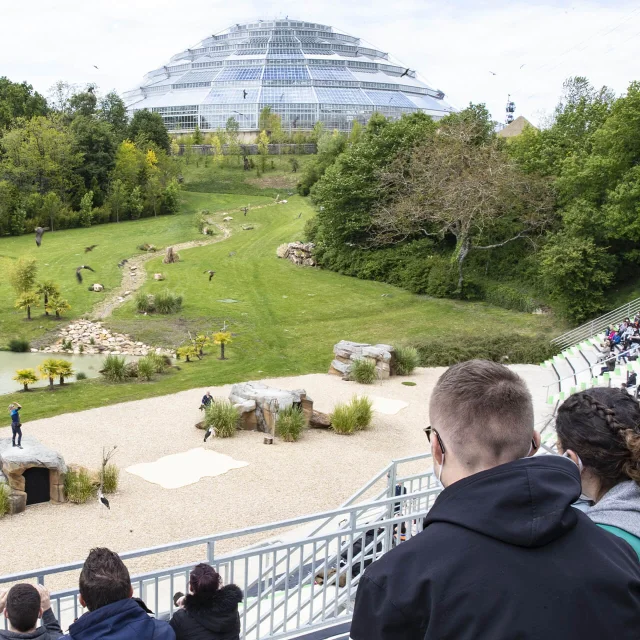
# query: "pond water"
{"type": "Point", "coordinates": [10, 362]}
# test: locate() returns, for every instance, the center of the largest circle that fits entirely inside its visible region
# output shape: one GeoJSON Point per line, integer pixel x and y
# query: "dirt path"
{"type": "Point", "coordinates": [134, 274]}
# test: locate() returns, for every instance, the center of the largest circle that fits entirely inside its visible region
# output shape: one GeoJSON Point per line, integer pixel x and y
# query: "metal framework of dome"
{"type": "Point", "coordinates": [306, 73]}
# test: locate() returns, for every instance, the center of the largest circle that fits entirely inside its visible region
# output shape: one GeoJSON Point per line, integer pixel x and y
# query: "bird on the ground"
{"type": "Point", "coordinates": [211, 274]}
{"type": "Point", "coordinates": [79, 269]}
{"type": "Point", "coordinates": [245, 93]}
{"type": "Point", "coordinates": [245, 209]}
{"type": "Point", "coordinates": [406, 73]}
{"type": "Point", "coordinates": [300, 215]}
{"type": "Point", "coordinates": [122, 263]}
{"type": "Point", "coordinates": [232, 253]}
{"type": "Point", "coordinates": [208, 434]}
{"type": "Point", "coordinates": [90, 248]}
{"type": "Point", "coordinates": [102, 499]}
{"type": "Point", "coordinates": [492, 73]}
{"type": "Point", "coordinates": [39, 233]}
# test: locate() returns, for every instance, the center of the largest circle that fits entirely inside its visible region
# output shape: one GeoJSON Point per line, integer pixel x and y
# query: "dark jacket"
{"type": "Point", "coordinates": [504, 556]}
{"type": "Point", "coordinates": [209, 616]}
{"type": "Point", "coordinates": [50, 630]}
{"type": "Point", "coordinates": [122, 620]}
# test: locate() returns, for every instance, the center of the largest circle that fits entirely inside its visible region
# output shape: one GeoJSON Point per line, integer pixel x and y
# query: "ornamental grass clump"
{"type": "Point", "coordinates": [363, 371]}
{"type": "Point", "coordinates": [78, 486]}
{"type": "Point", "coordinates": [223, 417]}
{"type": "Point", "coordinates": [290, 423]}
{"type": "Point", "coordinates": [406, 360]}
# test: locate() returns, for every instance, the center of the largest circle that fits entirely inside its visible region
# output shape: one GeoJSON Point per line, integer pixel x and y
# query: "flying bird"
{"type": "Point", "coordinates": [406, 73]}
{"type": "Point", "coordinates": [79, 269]}
{"type": "Point", "coordinates": [94, 66]}
{"type": "Point", "coordinates": [39, 233]}
{"type": "Point", "coordinates": [102, 499]}
{"type": "Point", "coordinates": [90, 248]}
{"type": "Point", "coordinates": [522, 65]}
{"type": "Point", "coordinates": [492, 73]}
{"type": "Point", "coordinates": [300, 215]}
{"type": "Point", "coordinates": [208, 434]}
{"type": "Point", "coordinates": [245, 93]}
{"type": "Point", "coordinates": [211, 274]}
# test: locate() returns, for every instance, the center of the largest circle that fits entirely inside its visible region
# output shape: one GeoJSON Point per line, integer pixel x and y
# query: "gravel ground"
{"type": "Point", "coordinates": [282, 481]}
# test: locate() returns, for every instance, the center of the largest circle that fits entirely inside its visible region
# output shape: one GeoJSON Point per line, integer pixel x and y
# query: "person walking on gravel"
{"type": "Point", "coordinates": [16, 430]}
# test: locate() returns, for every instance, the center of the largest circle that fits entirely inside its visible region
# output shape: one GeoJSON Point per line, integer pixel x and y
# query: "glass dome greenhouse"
{"type": "Point", "coordinates": [305, 72]}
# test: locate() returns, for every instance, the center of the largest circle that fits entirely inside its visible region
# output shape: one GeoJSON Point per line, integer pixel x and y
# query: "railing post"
{"type": "Point", "coordinates": [211, 551]}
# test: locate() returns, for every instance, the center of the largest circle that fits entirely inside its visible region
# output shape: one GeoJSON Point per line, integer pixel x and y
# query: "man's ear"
{"type": "Point", "coordinates": [82, 602]}
{"type": "Point", "coordinates": [40, 613]}
{"type": "Point", "coordinates": [436, 450]}
{"type": "Point", "coordinates": [131, 592]}
{"type": "Point", "coordinates": [537, 439]}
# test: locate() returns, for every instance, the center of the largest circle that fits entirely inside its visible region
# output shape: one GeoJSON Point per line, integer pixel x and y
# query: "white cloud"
{"type": "Point", "coordinates": [454, 44]}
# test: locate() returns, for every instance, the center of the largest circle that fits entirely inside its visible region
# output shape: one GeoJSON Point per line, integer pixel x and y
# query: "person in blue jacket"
{"type": "Point", "coordinates": [105, 590]}
{"type": "Point", "coordinates": [599, 430]}
{"type": "Point", "coordinates": [16, 425]}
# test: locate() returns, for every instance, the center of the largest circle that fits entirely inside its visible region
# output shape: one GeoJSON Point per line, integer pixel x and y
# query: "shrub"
{"type": "Point", "coordinates": [167, 302]}
{"type": "Point", "coordinates": [362, 410]}
{"type": "Point", "coordinates": [81, 375]}
{"type": "Point", "coordinates": [114, 368]}
{"type": "Point", "coordinates": [508, 297]}
{"type": "Point", "coordinates": [443, 280]}
{"type": "Point", "coordinates": [19, 345]}
{"type": "Point", "coordinates": [407, 359]}
{"type": "Point", "coordinates": [223, 417]}
{"type": "Point", "coordinates": [110, 478]}
{"type": "Point", "coordinates": [4, 500]}
{"type": "Point", "coordinates": [343, 419]}
{"type": "Point", "coordinates": [290, 423]}
{"type": "Point", "coordinates": [146, 368]}
{"type": "Point", "coordinates": [144, 303]}
{"type": "Point", "coordinates": [363, 371]}
{"type": "Point", "coordinates": [78, 486]}
{"type": "Point", "coordinates": [160, 363]}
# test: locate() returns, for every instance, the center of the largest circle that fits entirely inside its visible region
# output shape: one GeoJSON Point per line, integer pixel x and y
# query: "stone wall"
{"type": "Point", "coordinates": [346, 352]}
{"type": "Point", "coordinates": [300, 253]}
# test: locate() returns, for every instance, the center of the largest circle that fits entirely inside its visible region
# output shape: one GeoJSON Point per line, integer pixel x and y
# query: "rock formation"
{"type": "Point", "coordinates": [346, 352]}
{"type": "Point", "coordinates": [300, 253]}
{"type": "Point", "coordinates": [96, 287]}
{"type": "Point", "coordinates": [171, 256]}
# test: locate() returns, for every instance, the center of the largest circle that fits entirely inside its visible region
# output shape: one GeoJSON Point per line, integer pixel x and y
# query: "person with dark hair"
{"type": "Point", "coordinates": [16, 425]}
{"type": "Point", "coordinates": [105, 590]}
{"type": "Point", "coordinates": [23, 606]}
{"type": "Point", "coordinates": [503, 553]}
{"type": "Point", "coordinates": [599, 430]}
{"type": "Point", "coordinates": [210, 610]}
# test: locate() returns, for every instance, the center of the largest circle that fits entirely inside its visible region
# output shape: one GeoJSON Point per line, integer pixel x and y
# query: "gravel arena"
{"type": "Point", "coordinates": [282, 481]}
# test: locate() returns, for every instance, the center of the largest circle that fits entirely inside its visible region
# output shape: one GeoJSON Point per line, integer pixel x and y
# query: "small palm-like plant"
{"type": "Point", "coordinates": [27, 300]}
{"type": "Point", "coordinates": [58, 305]}
{"type": "Point", "coordinates": [47, 289]}
{"type": "Point", "coordinates": [65, 370]}
{"type": "Point", "coordinates": [222, 338]}
{"type": "Point", "coordinates": [49, 369]}
{"type": "Point", "coordinates": [200, 342]}
{"type": "Point", "coordinates": [26, 377]}
{"type": "Point", "coordinates": [187, 352]}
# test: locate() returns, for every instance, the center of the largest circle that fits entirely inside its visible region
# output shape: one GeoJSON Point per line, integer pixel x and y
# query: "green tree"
{"type": "Point", "coordinates": [49, 369]}
{"type": "Point", "coordinates": [57, 305]}
{"type": "Point", "coordinates": [117, 197]}
{"type": "Point", "coordinates": [356, 132]}
{"type": "Point", "coordinates": [25, 377]}
{"type": "Point", "coordinates": [197, 138]}
{"type": "Point", "coordinates": [65, 370]}
{"type": "Point", "coordinates": [86, 210]}
{"type": "Point", "coordinates": [171, 198]}
{"type": "Point", "coordinates": [27, 300]}
{"type": "Point", "coordinates": [51, 207]}
{"type": "Point", "coordinates": [153, 191]}
{"type": "Point", "coordinates": [47, 289]}
{"type": "Point", "coordinates": [22, 275]}
{"type": "Point", "coordinates": [19, 100]}
{"type": "Point", "coordinates": [263, 148]}
{"type": "Point", "coordinates": [113, 112]}
{"type": "Point", "coordinates": [265, 119]}
{"type": "Point", "coordinates": [150, 127]}
{"type": "Point", "coordinates": [9, 202]}
{"type": "Point", "coordinates": [135, 204]}
{"type": "Point", "coordinates": [330, 146]}
{"type": "Point", "coordinates": [84, 103]}
{"type": "Point", "coordinates": [222, 338]}
{"type": "Point", "coordinates": [129, 164]}
{"type": "Point", "coordinates": [233, 138]}
{"type": "Point", "coordinates": [216, 146]}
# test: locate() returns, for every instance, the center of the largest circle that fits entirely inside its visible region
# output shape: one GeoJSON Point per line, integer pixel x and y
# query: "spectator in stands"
{"type": "Point", "coordinates": [210, 611]}
{"type": "Point", "coordinates": [503, 555]}
{"type": "Point", "coordinates": [599, 430]}
{"type": "Point", "coordinates": [105, 590]}
{"type": "Point", "coordinates": [23, 606]}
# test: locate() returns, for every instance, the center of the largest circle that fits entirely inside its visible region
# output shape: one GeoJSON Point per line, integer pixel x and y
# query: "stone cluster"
{"type": "Point", "coordinates": [300, 253]}
{"type": "Point", "coordinates": [346, 352]}
{"type": "Point", "coordinates": [94, 339]}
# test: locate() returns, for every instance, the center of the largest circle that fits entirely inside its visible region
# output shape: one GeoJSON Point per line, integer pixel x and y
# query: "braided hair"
{"type": "Point", "coordinates": [602, 425]}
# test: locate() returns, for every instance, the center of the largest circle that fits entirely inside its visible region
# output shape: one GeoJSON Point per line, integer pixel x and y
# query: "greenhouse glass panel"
{"type": "Point", "coordinates": [342, 96]}
{"type": "Point", "coordinates": [244, 73]}
{"type": "Point", "coordinates": [390, 98]}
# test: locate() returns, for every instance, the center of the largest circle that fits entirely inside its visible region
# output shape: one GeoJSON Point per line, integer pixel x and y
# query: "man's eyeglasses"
{"type": "Point", "coordinates": [429, 430]}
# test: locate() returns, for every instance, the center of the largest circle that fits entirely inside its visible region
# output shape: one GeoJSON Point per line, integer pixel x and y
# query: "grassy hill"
{"type": "Point", "coordinates": [285, 319]}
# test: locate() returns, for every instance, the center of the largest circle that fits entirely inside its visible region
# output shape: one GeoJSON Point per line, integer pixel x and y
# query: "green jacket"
{"type": "Point", "coordinates": [634, 541]}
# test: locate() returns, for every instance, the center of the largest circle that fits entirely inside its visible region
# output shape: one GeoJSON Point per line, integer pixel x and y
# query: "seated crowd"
{"type": "Point", "coordinates": [504, 554]}
{"type": "Point", "coordinates": [621, 342]}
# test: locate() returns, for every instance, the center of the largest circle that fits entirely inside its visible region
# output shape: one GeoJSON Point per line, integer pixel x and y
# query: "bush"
{"type": "Point", "coordinates": [343, 419]}
{"type": "Point", "coordinates": [406, 360]}
{"type": "Point", "coordinates": [443, 280]}
{"type": "Point", "coordinates": [19, 345]}
{"type": "Point", "coordinates": [362, 411]}
{"type": "Point", "coordinates": [290, 423]}
{"type": "Point", "coordinates": [363, 371]}
{"type": "Point", "coordinates": [146, 368]}
{"type": "Point", "coordinates": [510, 348]}
{"type": "Point", "coordinates": [114, 368]}
{"type": "Point", "coordinates": [160, 363]}
{"type": "Point", "coordinates": [508, 297]}
{"type": "Point", "coordinates": [4, 500]}
{"type": "Point", "coordinates": [81, 375]}
{"type": "Point", "coordinates": [167, 302]}
{"type": "Point", "coordinates": [144, 303]}
{"type": "Point", "coordinates": [110, 478]}
{"type": "Point", "coordinates": [78, 486]}
{"type": "Point", "coordinates": [223, 417]}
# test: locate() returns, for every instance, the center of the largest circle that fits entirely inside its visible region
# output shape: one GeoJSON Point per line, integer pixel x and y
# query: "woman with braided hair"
{"type": "Point", "coordinates": [599, 430]}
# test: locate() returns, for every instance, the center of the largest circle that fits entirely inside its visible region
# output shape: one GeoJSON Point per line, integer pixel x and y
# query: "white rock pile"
{"type": "Point", "coordinates": [300, 253]}
{"type": "Point", "coordinates": [345, 352]}
{"type": "Point", "coordinates": [94, 339]}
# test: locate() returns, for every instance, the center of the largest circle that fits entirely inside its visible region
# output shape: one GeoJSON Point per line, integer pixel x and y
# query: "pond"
{"type": "Point", "coordinates": [10, 362]}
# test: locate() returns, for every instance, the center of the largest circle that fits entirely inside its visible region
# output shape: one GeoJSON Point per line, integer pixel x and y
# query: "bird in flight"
{"type": "Point", "coordinates": [211, 274]}
{"type": "Point", "coordinates": [39, 233]}
{"type": "Point", "coordinates": [406, 73]}
{"type": "Point", "coordinates": [300, 215]}
{"type": "Point", "coordinates": [492, 73]}
{"type": "Point", "coordinates": [245, 93]}
{"type": "Point", "coordinates": [522, 65]}
{"type": "Point", "coordinates": [90, 248]}
{"type": "Point", "coordinates": [102, 499]}
{"type": "Point", "coordinates": [94, 66]}
{"type": "Point", "coordinates": [208, 434]}
{"type": "Point", "coordinates": [79, 270]}
{"type": "Point", "coordinates": [245, 209]}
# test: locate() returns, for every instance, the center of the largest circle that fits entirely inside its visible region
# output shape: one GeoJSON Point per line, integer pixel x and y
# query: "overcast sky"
{"type": "Point", "coordinates": [453, 44]}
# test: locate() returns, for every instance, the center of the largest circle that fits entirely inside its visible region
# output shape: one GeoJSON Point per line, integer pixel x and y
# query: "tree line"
{"type": "Point", "coordinates": [75, 160]}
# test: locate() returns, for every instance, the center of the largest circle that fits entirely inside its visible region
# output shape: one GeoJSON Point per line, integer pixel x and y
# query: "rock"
{"type": "Point", "coordinates": [158, 276]}
{"type": "Point", "coordinates": [299, 253]}
{"type": "Point", "coordinates": [96, 287]}
{"type": "Point", "coordinates": [345, 352]}
{"type": "Point", "coordinates": [319, 420]}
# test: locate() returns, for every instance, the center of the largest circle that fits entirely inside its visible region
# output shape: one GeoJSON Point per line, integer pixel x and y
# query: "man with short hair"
{"type": "Point", "coordinates": [503, 554]}
{"type": "Point", "coordinates": [105, 590]}
{"type": "Point", "coordinates": [23, 606]}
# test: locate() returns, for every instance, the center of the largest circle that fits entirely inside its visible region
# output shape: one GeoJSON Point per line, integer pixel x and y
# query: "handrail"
{"type": "Point", "coordinates": [591, 328]}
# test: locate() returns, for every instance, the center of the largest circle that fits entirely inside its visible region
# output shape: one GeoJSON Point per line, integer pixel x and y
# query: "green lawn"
{"type": "Point", "coordinates": [285, 322]}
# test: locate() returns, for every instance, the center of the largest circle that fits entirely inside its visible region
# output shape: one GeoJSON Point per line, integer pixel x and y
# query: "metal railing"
{"type": "Point", "coordinates": [295, 581]}
{"type": "Point", "coordinates": [597, 325]}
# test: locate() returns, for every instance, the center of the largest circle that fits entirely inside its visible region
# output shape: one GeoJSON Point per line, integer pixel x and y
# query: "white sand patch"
{"type": "Point", "coordinates": [387, 406]}
{"type": "Point", "coordinates": [182, 469]}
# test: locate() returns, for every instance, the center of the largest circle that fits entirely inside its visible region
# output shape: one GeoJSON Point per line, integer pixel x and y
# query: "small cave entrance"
{"type": "Point", "coordinates": [36, 485]}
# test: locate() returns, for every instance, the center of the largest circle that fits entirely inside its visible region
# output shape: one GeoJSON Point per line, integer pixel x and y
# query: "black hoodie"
{"type": "Point", "coordinates": [504, 556]}
{"type": "Point", "coordinates": [209, 616]}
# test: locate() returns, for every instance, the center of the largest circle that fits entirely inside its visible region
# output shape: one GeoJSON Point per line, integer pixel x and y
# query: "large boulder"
{"type": "Point", "coordinates": [346, 352]}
